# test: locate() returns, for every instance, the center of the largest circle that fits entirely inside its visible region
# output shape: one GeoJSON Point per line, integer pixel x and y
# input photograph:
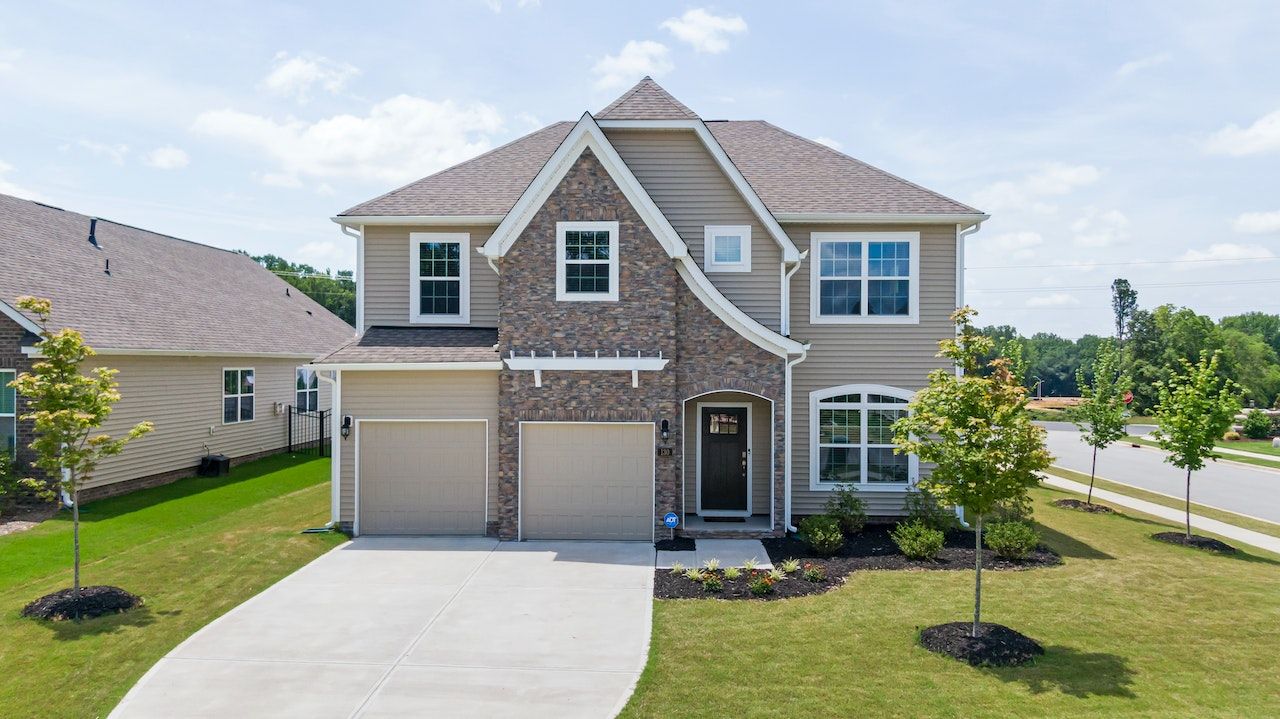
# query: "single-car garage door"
{"type": "Point", "coordinates": [586, 481]}
{"type": "Point", "coordinates": [422, 477]}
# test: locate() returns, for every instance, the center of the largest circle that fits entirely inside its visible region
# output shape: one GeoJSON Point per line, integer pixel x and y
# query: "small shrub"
{"type": "Point", "coordinates": [1256, 425]}
{"type": "Point", "coordinates": [790, 566]}
{"type": "Point", "coordinates": [1018, 509]}
{"type": "Point", "coordinates": [815, 572]}
{"type": "Point", "coordinates": [1011, 540]}
{"type": "Point", "coordinates": [922, 507]}
{"type": "Point", "coordinates": [751, 564]}
{"type": "Point", "coordinates": [761, 584]}
{"type": "Point", "coordinates": [822, 533]}
{"type": "Point", "coordinates": [917, 540]}
{"type": "Point", "coordinates": [1232, 436]}
{"type": "Point", "coordinates": [777, 575]}
{"type": "Point", "coordinates": [677, 568]}
{"type": "Point", "coordinates": [732, 573]}
{"type": "Point", "coordinates": [711, 565]}
{"type": "Point", "coordinates": [694, 575]}
{"type": "Point", "coordinates": [848, 508]}
{"type": "Point", "coordinates": [712, 583]}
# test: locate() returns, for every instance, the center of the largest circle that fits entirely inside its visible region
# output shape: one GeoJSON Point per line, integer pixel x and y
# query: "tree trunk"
{"type": "Point", "coordinates": [1188, 505]}
{"type": "Point", "coordinates": [977, 577]}
{"type": "Point", "coordinates": [1093, 469]}
{"type": "Point", "coordinates": [75, 544]}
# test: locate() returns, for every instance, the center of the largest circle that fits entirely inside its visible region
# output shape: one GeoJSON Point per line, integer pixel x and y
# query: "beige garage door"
{"type": "Point", "coordinates": [422, 477]}
{"type": "Point", "coordinates": [587, 481]}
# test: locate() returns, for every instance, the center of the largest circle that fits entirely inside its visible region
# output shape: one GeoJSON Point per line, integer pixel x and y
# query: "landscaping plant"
{"type": "Point", "coordinates": [67, 406]}
{"type": "Point", "coordinates": [815, 572]}
{"type": "Point", "coordinates": [923, 507]}
{"type": "Point", "coordinates": [1012, 540]}
{"type": "Point", "coordinates": [1195, 408]}
{"type": "Point", "coordinates": [761, 584]}
{"type": "Point", "coordinates": [732, 573]}
{"type": "Point", "coordinates": [973, 426]}
{"type": "Point", "coordinates": [1101, 413]}
{"type": "Point", "coordinates": [790, 566]}
{"type": "Point", "coordinates": [917, 540]}
{"type": "Point", "coordinates": [848, 508]}
{"type": "Point", "coordinates": [712, 583]}
{"type": "Point", "coordinates": [822, 533]}
{"type": "Point", "coordinates": [1257, 424]}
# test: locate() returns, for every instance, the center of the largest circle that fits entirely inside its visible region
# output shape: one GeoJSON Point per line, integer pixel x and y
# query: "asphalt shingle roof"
{"type": "Point", "coordinates": [646, 101]}
{"type": "Point", "coordinates": [162, 293]}
{"type": "Point", "coordinates": [418, 344]}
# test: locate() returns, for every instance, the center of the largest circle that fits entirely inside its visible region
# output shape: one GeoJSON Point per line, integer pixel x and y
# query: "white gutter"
{"type": "Point", "coordinates": [961, 234]}
{"type": "Point", "coordinates": [786, 292]}
{"type": "Point", "coordinates": [786, 441]}
{"type": "Point", "coordinates": [357, 220]}
{"type": "Point", "coordinates": [335, 441]}
{"type": "Point", "coordinates": [404, 366]}
{"type": "Point", "coordinates": [359, 278]}
{"type": "Point", "coordinates": [881, 218]}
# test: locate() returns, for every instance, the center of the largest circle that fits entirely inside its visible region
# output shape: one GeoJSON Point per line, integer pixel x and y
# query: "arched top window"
{"type": "Point", "coordinates": [851, 438]}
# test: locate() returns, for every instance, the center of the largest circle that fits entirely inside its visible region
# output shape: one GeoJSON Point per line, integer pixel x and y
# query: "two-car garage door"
{"type": "Point", "coordinates": [422, 477]}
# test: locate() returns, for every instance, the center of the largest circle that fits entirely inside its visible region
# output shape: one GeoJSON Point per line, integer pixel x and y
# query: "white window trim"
{"type": "Point", "coordinates": [308, 391]}
{"type": "Point", "coordinates": [815, 464]}
{"type": "Point", "coordinates": [222, 408]}
{"type": "Point", "coordinates": [10, 415]}
{"type": "Point", "coordinates": [815, 280]}
{"type": "Point", "coordinates": [416, 239]}
{"type": "Point", "coordinates": [709, 239]}
{"type": "Point", "coordinates": [612, 294]}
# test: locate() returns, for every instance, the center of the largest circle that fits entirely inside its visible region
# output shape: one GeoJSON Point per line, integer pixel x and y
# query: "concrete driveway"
{"type": "Point", "coordinates": [411, 627]}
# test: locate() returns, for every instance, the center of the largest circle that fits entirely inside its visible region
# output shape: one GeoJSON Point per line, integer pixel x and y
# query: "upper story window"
{"type": "Point", "coordinates": [852, 437]}
{"type": "Point", "coordinates": [439, 277]}
{"type": "Point", "coordinates": [237, 395]}
{"type": "Point", "coordinates": [587, 261]}
{"type": "Point", "coordinates": [864, 277]}
{"type": "Point", "coordinates": [728, 248]}
{"type": "Point", "coordinates": [8, 412]}
{"type": "Point", "coordinates": [308, 389]}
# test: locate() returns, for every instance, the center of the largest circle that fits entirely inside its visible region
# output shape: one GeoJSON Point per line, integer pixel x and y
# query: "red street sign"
{"type": "Point", "coordinates": [1128, 398]}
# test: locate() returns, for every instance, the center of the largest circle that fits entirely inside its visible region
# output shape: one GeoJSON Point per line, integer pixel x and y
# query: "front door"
{"type": "Point", "coordinates": [724, 460]}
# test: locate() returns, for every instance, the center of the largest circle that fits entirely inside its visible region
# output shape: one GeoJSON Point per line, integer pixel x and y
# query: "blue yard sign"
{"type": "Point", "coordinates": [671, 520]}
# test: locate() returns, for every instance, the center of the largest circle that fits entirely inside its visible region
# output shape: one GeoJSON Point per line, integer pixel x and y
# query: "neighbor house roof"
{"type": "Point", "coordinates": [161, 294]}
{"type": "Point", "coordinates": [418, 345]}
{"type": "Point", "coordinates": [792, 175]}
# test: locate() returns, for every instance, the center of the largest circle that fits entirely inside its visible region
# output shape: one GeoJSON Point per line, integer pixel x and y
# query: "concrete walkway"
{"type": "Point", "coordinates": [729, 552]}
{"type": "Point", "coordinates": [1245, 536]}
{"type": "Point", "coordinates": [411, 627]}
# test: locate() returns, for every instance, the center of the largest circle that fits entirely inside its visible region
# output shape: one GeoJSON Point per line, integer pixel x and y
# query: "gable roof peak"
{"type": "Point", "coordinates": [646, 100]}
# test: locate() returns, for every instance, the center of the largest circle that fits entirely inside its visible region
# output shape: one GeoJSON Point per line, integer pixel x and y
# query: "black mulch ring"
{"type": "Point", "coordinates": [1208, 544]}
{"type": "Point", "coordinates": [1082, 506]}
{"type": "Point", "coordinates": [94, 602]}
{"type": "Point", "coordinates": [996, 645]}
{"type": "Point", "coordinates": [678, 544]}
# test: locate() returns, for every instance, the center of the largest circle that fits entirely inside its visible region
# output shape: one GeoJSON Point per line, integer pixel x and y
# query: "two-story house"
{"type": "Point", "coordinates": [635, 320]}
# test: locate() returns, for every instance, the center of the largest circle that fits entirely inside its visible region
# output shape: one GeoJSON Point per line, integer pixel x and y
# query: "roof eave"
{"type": "Point", "coordinates": [356, 221]}
{"type": "Point", "coordinates": [883, 218]}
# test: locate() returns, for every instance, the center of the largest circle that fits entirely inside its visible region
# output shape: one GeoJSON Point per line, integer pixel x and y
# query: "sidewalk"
{"type": "Point", "coordinates": [1251, 455]}
{"type": "Point", "coordinates": [1230, 531]}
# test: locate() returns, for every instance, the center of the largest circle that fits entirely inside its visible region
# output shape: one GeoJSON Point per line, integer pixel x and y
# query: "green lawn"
{"type": "Point", "coordinates": [1269, 464]}
{"type": "Point", "coordinates": [193, 550]}
{"type": "Point", "coordinates": [1261, 446]}
{"type": "Point", "coordinates": [1133, 628]}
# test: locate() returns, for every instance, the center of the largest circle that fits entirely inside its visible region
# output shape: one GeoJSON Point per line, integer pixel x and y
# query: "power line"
{"type": "Point", "coordinates": [1107, 288]}
{"type": "Point", "coordinates": [1119, 264]}
{"type": "Point", "coordinates": [312, 275]}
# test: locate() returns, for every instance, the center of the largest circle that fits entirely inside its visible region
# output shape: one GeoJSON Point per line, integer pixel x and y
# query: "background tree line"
{"type": "Point", "coordinates": [1153, 343]}
{"type": "Point", "coordinates": [336, 292]}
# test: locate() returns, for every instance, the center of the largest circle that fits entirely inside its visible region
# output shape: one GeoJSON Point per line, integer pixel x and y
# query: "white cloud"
{"type": "Point", "coordinates": [295, 76]}
{"type": "Point", "coordinates": [1262, 136]}
{"type": "Point", "coordinates": [1011, 245]}
{"type": "Point", "coordinates": [1055, 179]}
{"type": "Point", "coordinates": [1257, 223]}
{"type": "Point", "coordinates": [279, 179]}
{"type": "Point", "coordinates": [8, 187]}
{"type": "Point", "coordinates": [1224, 252]}
{"type": "Point", "coordinates": [167, 158]}
{"type": "Point", "coordinates": [705, 32]}
{"type": "Point", "coordinates": [1100, 228]}
{"type": "Point", "coordinates": [1057, 299]}
{"type": "Point", "coordinates": [1143, 63]}
{"type": "Point", "coordinates": [401, 139]}
{"type": "Point", "coordinates": [637, 59]}
{"type": "Point", "coordinates": [833, 144]}
{"type": "Point", "coordinates": [115, 153]}
{"type": "Point", "coordinates": [327, 254]}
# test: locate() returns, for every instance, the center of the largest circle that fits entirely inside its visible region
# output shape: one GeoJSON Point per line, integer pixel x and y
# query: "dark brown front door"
{"type": "Point", "coordinates": [724, 459]}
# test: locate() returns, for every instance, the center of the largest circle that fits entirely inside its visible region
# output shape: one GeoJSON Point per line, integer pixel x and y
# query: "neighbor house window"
{"type": "Point", "coordinates": [308, 389]}
{"type": "Point", "coordinates": [852, 439]}
{"type": "Point", "coordinates": [587, 261]}
{"type": "Point", "coordinates": [8, 412]}
{"type": "Point", "coordinates": [439, 277]}
{"type": "Point", "coordinates": [237, 395]}
{"type": "Point", "coordinates": [864, 277]}
{"type": "Point", "coordinates": [728, 248]}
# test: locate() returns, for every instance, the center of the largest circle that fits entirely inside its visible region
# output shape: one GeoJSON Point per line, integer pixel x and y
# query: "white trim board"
{"type": "Point", "coordinates": [408, 366]}
{"type": "Point", "coordinates": [416, 240]}
{"type": "Point", "coordinates": [864, 279]}
{"type": "Point", "coordinates": [354, 221]}
{"type": "Point", "coordinates": [23, 321]}
{"type": "Point", "coordinates": [697, 468]}
{"type": "Point", "coordinates": [881, 218]}
{"type": "Point", "coordinates": [562, 263]}
{"type": "Point", "coordinates": [815, 454]}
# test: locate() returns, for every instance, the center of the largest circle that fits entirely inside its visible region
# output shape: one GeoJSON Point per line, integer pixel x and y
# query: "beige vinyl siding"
{"type": "Point", "coordinates": [898, 355]}
{"type": "Point", "coordinates": [386, 276]}
{"type": "Point", "coordinates": [691, 190]}
{"type": "Point", "coordinates": [761, 448]}
{"type": "Point", "coordinates": [182, 396]}
{"type": "Point", "coordinates": [418, 395]}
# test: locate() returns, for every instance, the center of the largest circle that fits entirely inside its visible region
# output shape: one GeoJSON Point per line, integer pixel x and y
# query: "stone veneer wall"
{"type": "Point", "coordinates": [11, 357]}
{"type": "Point", "coordinates": [655, 313]}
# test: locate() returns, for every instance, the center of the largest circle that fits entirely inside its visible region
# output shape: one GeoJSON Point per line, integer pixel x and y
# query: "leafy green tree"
{"type": "Point", "coordinates": [1259, 324]}
{"type": "Point", "coordinates": [1251, 362]}
{"type": "Point", "coordinates": [335, 291]}
{"type": "Point", "coordinates": [1101, 413]}
{"type": "Point", "coordinates": [973, 426]}
{"type": "Point", "coordinates": [1124, 303]}
{"type": "Point", "coordinates": [67, 406]}
{"type": "Point", "coordinates": [1196, 406]}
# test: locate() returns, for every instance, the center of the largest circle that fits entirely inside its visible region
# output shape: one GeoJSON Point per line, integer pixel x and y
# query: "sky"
{"type": "Point", "coordinates": [1136, 140]}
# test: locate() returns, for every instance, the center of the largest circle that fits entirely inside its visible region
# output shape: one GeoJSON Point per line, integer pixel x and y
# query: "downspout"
{"type": "Point", "coordinates": [786, 292]}
{"type": "Point", "coordinates": [786, 439]}
{"type": "Point", "coordinates": [961, 234]}
{"type": "Point", "coordinates": [492, 265]}
{"type": "Point", "coordinates": [335, 438]}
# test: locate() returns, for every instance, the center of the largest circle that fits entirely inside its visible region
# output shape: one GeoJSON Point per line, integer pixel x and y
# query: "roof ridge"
{"type": "Point", "coordinates": [864, 163]}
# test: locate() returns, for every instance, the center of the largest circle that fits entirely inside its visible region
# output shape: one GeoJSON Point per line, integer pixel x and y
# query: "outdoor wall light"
{"type": "Point", "coordinates": [346, 426]}
{"type": "Point", "coordinates": [666, 430]}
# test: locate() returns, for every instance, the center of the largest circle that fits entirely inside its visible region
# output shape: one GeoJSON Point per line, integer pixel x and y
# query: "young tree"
{"type": "Point", "coordinates": [1101, 412]}
{"type": "Point", "coordinates": [1124, 302]}
{"type": "Point", "coordinates": [1196, 406]}
{"type": "Point", "coordinates": [974, 428]}
{"type": "Point", "coordinates": [67, 407]}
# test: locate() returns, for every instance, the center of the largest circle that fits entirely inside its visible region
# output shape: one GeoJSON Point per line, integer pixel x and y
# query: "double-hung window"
{"type": "Point", "coordinates": [864, 277]}
{"type": "Point", "coordinates": [852, 441]}
{"type": "Point", "coordinates": [728, 248]}
{"type": "Point", "coordinates": [8, 412]}
{"type": "Point", "coordinates": [237, 396]}
{"type": "Point", "coordinates": [308, 390]}
{"type": "Point", "coordinates": [439, 277]}
{"type": "Point", "coordinates": [587, 261]}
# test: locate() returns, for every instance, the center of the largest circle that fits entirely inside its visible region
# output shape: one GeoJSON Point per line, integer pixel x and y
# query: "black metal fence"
{"type": "Point", "coordinates": [309, 431]}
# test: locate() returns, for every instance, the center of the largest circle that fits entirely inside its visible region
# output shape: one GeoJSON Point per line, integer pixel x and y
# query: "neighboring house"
{"type": "Point", "coordinates": [210, 346]}
{"type": "Point", "coordinates": [635, 314]}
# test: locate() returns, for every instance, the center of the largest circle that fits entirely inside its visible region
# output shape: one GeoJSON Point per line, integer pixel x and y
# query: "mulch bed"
{"type": "Point", "coordinates": [1082, 506]}
{"type": "Point", "coordinates": [678, 544]}
{"type": "Point", "coordinates": [1209, 544]}
{"type": "Point", "coordinates": [94, 602]}
{"type": "Point", "coordinates": [996, 645]}
{"type": "Point", "coordinates": [871, 549]}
